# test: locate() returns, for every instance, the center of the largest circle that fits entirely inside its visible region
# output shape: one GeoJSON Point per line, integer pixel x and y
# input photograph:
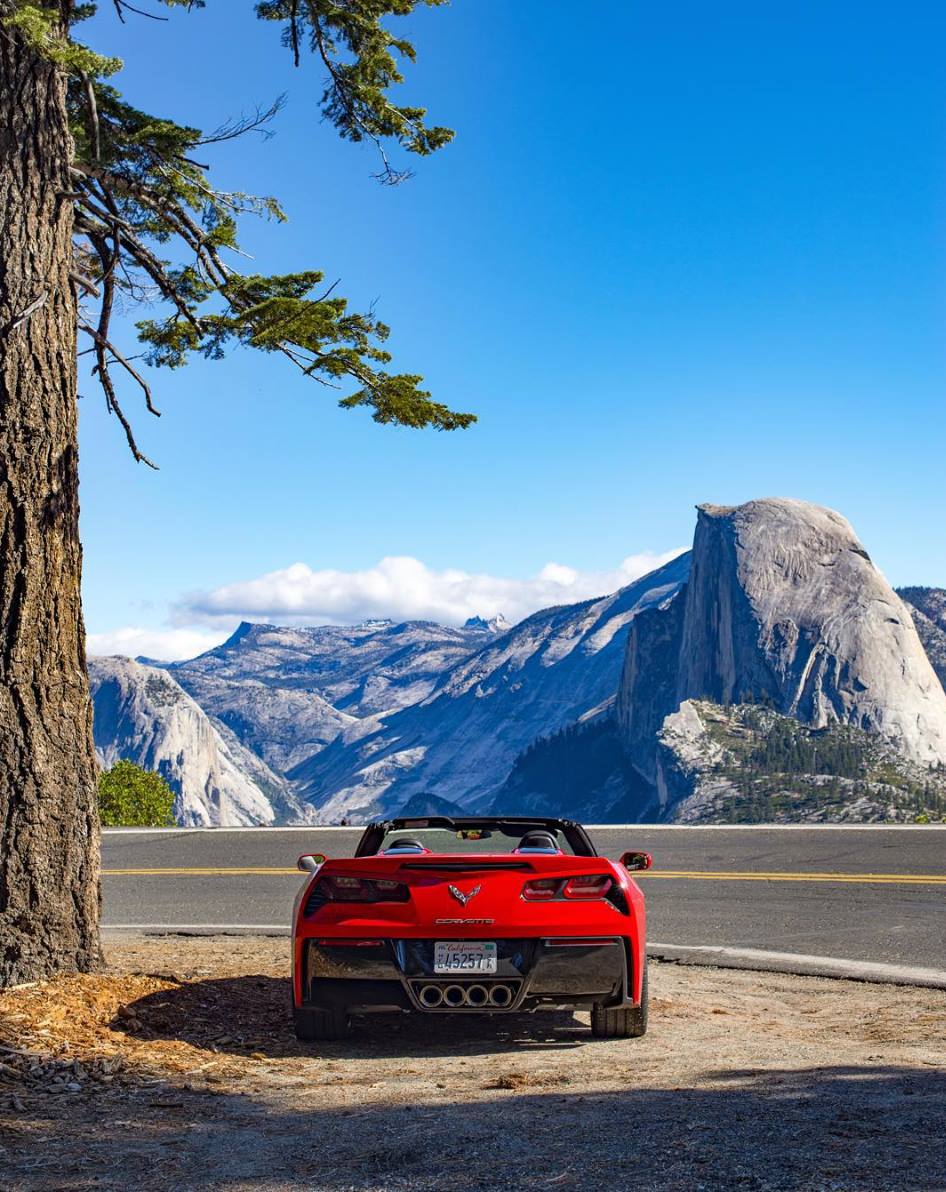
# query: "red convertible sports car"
{"type": "Point", "coordinates": [479, 915]}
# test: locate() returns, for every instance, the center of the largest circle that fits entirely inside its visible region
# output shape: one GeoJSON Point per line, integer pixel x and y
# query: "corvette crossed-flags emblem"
{"type": "Point", "coordinates": [462, 898]}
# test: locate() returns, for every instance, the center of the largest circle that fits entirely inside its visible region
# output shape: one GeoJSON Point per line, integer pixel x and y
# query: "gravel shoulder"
{"type": "Point", "coordinates": [177, 1067]}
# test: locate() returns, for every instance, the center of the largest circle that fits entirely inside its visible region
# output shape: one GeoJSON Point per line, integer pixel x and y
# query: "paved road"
{"type": "Point", "coordinates": [870, 893]}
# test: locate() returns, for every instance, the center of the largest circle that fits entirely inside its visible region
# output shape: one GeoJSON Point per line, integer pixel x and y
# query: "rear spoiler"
{"type": "Point", "coordinates": [465, 866]}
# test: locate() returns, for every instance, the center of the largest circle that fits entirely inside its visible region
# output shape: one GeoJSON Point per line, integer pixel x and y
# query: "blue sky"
{"type": "Point", "coordinates": [677, 253]}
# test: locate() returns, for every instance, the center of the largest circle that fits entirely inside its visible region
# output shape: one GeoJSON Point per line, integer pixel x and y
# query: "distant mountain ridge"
{"type": "Point", "coordinates": [358, 669]}
{"type": "Point", "coordinates": [553, 668]}
{"type": "Point", "coordinates": [286, 693]}
{"type": "Point", "coordinates": [601, 710]}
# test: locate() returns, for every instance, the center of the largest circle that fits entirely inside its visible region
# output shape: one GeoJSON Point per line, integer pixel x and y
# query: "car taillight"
{"type": "Point", "coordinates": [544, 889]}
{"type": "Point", "coordinates": [587, 886]}
{"type": "Point", "coordinates": [339, 887]}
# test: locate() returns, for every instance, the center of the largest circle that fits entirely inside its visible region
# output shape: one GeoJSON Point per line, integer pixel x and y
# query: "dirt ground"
{"type": "Point", "coordinates": [177, 1068]}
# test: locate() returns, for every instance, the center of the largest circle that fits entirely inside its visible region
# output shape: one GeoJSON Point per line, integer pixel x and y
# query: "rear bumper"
{"type": "Point", "coordinates": [397, 974]}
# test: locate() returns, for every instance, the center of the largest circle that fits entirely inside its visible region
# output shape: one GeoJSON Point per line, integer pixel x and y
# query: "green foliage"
{"type": "Point", "coordinates": [40, 26]}
{"type": "Point", "coordinates": [279, 314]}
{"type": "Point", "coordinates": [153, 229]}
{"type": "Point", "coordinates": [760, 767]}
{"type": "Point", "coordinates": [789, 748]}
{"type": "Point", "coordinates": [130, 797]}
{"type": "Point", "coordinates": [359, 54]}
{"type": "Point", "coordinates": [780, 769]}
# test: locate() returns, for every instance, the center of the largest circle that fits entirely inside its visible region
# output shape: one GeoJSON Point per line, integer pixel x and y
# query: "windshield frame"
{"type": "Point", "coordinates": [375, 832]}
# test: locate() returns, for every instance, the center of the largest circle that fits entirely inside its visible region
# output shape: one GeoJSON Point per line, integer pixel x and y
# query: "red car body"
{"type": "Point", "coordinates": [428, 918]}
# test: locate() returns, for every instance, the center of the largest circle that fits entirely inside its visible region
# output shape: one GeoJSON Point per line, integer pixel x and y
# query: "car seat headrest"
{"type": "Point", "coordinates": [538, 842]}
{"type": "Point", "coordinates": [404, 845]}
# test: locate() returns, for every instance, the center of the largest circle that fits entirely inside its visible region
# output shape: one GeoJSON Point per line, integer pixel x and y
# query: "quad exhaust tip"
{"type": "Point", "coordinates": [476, 997]}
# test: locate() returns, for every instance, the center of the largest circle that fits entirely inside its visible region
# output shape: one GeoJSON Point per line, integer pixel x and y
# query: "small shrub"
{"type": "Point", "coordinates": [130, 797]}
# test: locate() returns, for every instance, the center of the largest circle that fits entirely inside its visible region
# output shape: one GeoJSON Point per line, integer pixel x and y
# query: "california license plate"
{"type": "Point", "coordinates": [464, 956]}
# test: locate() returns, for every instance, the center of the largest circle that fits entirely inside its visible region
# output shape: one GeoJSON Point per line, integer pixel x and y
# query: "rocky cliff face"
{"type": "Point", "coordinates": [930, 601]}
{"type": "Point", "coordinates": [142, 714]}
{"type": "Point", "coordinates": [283, 725]}
{"type": "Point", "coordinates": [928, 606]}
{"type": "Point", "coordinates": [783, 607]}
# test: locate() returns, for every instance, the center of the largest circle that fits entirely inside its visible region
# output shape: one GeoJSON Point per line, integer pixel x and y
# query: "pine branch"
{"type": "Point", "coordinates": [93, 115]}
{"type": "Point", "coordinates": [239, 128]}
{"type": "Point", "coordinates": [110, 395]}
{"type": "Point", "coordinates": [121, 6]}
{"type": "Point", "coordinates": [109, 258]}
{"type": "Point", "coordinates": [139, 185]}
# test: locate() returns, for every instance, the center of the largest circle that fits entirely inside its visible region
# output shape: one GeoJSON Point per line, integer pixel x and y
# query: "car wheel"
{"type": "Point", "coordinates": [621, 1023]}
{"type": "Point", "coordinates": [325, 1025]}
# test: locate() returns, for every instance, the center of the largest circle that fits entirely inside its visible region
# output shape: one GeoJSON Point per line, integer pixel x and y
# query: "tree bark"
{"type": "Point", "coordinates": [49, 848]}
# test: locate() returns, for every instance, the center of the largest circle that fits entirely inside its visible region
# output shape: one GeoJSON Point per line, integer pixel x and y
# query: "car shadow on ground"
{"type": "Point", "coordinates": [251, 1014]}
{"type": "Point", "coordinates": [826, 1129]}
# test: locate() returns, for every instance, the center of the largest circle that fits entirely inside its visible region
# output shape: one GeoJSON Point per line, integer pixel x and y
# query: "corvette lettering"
{"type": "Point", "coordinates": [449, 922]}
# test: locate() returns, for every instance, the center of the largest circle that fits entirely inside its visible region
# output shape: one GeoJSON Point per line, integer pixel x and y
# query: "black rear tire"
{"type": "Point", "coordinates": [619, 1023]}
{"type": "Point", "coordinates": [321, 1025]}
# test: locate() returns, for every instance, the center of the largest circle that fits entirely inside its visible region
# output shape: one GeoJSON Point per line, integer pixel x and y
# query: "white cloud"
{"type": "Point", "coordinates": [402, 588]}
{"type": "Point", "coordinates": [168, 645]}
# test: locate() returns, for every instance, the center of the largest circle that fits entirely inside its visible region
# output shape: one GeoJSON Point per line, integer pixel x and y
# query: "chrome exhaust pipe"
{"type": "Point", "coordinates": [430, 996]}
{"type": "Point", "coordinates": [500, 996]}
{"type": "Point", "coordinates": [477, 996]}
{"type": "Point", "coordinates": [454, 996]}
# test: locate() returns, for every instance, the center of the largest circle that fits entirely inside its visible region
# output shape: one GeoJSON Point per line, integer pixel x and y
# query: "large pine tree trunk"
{"type": "Point", "coordinates": [49, 882]}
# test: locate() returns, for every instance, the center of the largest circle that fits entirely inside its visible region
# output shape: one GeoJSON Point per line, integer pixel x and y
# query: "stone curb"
{"type": "Point", "coordinates": [798, 964]}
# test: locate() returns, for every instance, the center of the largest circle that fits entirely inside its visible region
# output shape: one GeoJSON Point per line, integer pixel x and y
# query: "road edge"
{"type": "Point", "coordinates": [797, 964]}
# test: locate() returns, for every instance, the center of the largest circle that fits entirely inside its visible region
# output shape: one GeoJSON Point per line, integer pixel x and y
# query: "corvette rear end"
{"type": "Point", "coordinates": [469, 916]}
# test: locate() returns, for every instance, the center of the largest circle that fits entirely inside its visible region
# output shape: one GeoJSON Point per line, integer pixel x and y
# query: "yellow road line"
{"type": "Point", "coordinates": [893, 879]}
{"type": "Point", "coordinates": [236, 871]}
